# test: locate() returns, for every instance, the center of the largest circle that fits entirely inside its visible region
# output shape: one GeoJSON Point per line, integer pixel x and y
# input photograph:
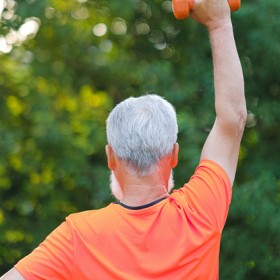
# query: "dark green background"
{"type": "Point", "coordinates": [58, 86]}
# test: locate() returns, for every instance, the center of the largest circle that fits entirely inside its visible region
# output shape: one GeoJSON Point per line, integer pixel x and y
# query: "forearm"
{"type": "Point", "coordinates": [228, 76]}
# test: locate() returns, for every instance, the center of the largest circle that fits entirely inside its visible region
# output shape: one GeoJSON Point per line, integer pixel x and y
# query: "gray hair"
{"type": "Point", "coordinates": [142, 131]}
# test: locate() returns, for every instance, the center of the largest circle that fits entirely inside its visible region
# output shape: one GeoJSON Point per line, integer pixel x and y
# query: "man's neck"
{"type": "Point", "coordinates": [133, 190]}
{"type": "Point", "coordinates": [142, 194]}
{"type": "Point", "coordinates": [141, 191]}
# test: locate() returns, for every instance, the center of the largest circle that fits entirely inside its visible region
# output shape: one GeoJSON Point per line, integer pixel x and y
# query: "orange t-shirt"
{"type": "Point", "coordinates": [174, 238]}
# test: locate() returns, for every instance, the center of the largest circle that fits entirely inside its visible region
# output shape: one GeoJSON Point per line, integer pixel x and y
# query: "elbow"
{"type": "Point", "coordinates": [242, 119]}
{"type": "Point", "coordinates": [233, 120]}
{"type": "Point", "coordinates": [239, 120]}
{"type": "Point", "coordinates": [239, 116]}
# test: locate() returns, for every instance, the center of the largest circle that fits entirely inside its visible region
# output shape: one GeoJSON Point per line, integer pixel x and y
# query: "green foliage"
{"type": "Point", "coordinates": [250, 245]}
{"type": "Point", "coordinates": [64, 64]}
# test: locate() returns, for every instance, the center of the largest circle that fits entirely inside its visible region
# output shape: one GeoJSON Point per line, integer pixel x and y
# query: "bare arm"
{"type": "Point", "coordinates": [12, 274]}
{"type": "Point", "coordinates": [223, 142]}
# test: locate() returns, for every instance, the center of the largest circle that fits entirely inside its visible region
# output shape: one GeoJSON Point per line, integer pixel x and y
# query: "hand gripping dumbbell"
{"type": "Point", "coordinates": [182, 8]}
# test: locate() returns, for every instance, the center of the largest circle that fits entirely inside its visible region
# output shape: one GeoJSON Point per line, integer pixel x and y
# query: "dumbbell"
{"type": "Point", "coordinates": [182, 8]}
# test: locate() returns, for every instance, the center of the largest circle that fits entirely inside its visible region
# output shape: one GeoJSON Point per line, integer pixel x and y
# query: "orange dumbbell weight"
{"type": "Point", "coordinates": [182, 8]}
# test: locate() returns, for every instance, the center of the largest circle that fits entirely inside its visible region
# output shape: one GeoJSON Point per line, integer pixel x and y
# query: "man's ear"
{"type": "Point", "coordinates": [110, 157]}
{"type": "Point", "coordinates": [174, 156]}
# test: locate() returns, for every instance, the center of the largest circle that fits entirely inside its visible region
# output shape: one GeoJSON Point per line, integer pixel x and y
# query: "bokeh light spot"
{"type": "Point", "coordinates": [99, 29]}
{"type": "Point", "coordinates": [29, 28]}
{"type": "Point", "coordinates": [4, 46]}
{"type": "Point", "coordinates": [119, 26]}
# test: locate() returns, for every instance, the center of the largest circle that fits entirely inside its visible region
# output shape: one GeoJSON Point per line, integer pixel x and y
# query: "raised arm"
{"type": "Point", "coordinates": [223, 143]}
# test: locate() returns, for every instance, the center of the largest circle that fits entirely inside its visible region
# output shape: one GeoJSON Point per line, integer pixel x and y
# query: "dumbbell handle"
{"type": "Point", "coordinates": [182, 8]}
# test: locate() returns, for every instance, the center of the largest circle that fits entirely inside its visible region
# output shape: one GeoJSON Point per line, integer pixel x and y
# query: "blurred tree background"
{"type": "Point", "coordinates": [63, 66]}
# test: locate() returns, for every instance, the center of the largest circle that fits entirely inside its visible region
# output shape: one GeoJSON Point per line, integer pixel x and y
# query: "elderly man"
{"type": "Point", "coordinates": [149, 233]}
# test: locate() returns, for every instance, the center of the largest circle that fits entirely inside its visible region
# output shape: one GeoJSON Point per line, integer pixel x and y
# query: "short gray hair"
{"type": "Point", "coordinates": [142, 131]}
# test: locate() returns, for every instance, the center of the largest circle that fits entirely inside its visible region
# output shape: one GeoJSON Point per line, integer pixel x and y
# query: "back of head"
{"type": "Point", "coordinates": [141, 131]}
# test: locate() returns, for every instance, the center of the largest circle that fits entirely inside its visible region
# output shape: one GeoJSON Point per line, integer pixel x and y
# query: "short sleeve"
{"type": "Point", "coordinates": [208, 194]}
{"type": "Point", "coordinates": [52, 259]}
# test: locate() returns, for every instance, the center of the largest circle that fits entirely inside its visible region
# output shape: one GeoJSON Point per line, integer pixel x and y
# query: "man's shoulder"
{"type": "Point", "coordinates": [210, 177]}
{"type": "Point", "coordinates": [207, 170]}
